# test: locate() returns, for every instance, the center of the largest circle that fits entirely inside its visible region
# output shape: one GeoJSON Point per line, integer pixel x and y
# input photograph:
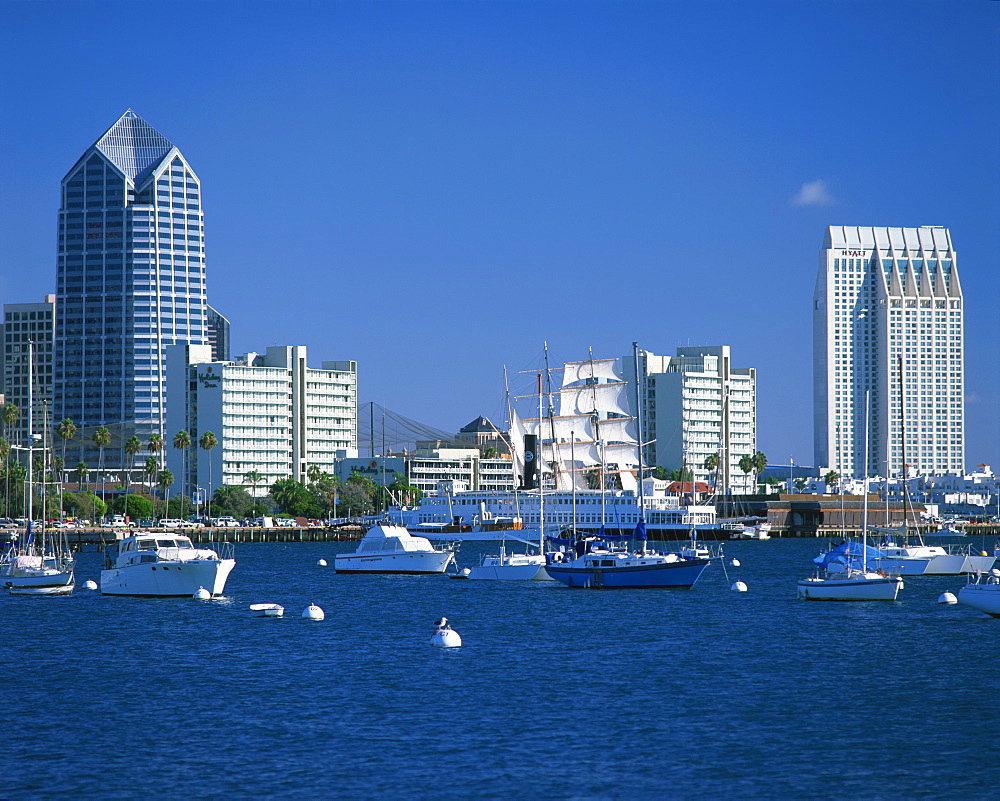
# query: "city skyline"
{"type": "Point", "coordinates": [449, 185]}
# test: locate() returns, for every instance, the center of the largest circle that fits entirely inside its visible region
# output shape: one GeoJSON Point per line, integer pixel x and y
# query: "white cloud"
{"type": "Point", "coordinates": [814, 193]}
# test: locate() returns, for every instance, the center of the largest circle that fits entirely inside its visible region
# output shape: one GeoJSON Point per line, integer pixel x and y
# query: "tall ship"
{"type": "Point", "coordinates": [576, 461]}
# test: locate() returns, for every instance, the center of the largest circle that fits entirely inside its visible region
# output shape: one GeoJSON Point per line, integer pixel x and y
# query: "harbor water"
{"type": "Point", "coordinates": [555, 693]}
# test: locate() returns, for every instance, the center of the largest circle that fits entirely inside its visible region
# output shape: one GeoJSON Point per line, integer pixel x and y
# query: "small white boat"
{"type": "Point", "coordinates": [854, 585]}
{"type": "Point", "coordinates": [33, 572]}
{"type": "Point", "coordinates": [165, 565]}
{"type": "Point", "coordinates": [386, 548]}
{"type": "Point", "coordinates": [932, 560]}
{"type": "Point", "coordinates": [510, 567]}
{"type": "Point", "coordinates": [983, 595]}
{"type": "Point", "coordinates": [268, 610]}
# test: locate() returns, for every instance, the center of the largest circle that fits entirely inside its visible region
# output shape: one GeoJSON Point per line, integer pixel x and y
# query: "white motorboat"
{"type": "Point", "coordinates": [268, 610]}
{"type": "Point", "coordinates": [165, 565]}
{"type": "Point", "coordinates": [388, 548]}
{"type": "Point", "coordinates": [983, 595]}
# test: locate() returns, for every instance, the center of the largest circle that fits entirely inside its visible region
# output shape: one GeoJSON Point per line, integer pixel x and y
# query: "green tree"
{"type": "Point", "coordinates": [182, 441]}
{"type": "Point", "coordinates": [10, 414]}
{"type": "Point", "coordinates": [759, 462]}
{"type": "Point", "coordinates": [355, 499]}
{"type": "Point", "coordinates": [290, 495]}
{"type": "Point", "coordinates": [85, 505]}
{"type": "Point", "coordinates": [404, 492]}
{"type": "Point", "coordinates": [491, 453]}
{"type": "Point", "coordinates": [234, 501]}
{"type": "Point", "coordinates": [660, 473]}
{"type": "Point", "coordinates": [66, 430]}
{"type": "Point", "coordinates": [832, 479]}
{"type": "Point", "coordinates": [155, 445]}
{"type": "Point", "coordinates": [139, 506]}
{"type": "Point", "coordinates": [746, 463]}
{"type": "Point", "coordinates": [206, 443]}
{"type": "Point", "coordinates": [800, 484]}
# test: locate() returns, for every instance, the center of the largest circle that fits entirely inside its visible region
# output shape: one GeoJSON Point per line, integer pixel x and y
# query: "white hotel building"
{"type": "Point", "coordinates": [271, 414]}
{"type": "Point", "coordinates": [695, 404]}
{"type": "Point", "coordinates": [886, 296]}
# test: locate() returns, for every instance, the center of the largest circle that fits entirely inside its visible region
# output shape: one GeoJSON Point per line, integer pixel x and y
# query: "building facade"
{"type": "Point", "coordinates": [130, 281]}
{"type": "Point", "coordinates": [28, 327]}
{"type": "Point", "coordinates": [695, 405]}
{"type": "Point", "coordinates": [217, 328]}
{"type": "Point", "coordinates": [271, 414]}
{"type": "Point", "coordinates": [888, 301]}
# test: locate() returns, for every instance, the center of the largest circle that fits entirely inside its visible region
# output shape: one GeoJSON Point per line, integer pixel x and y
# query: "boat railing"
{"type": "Point", "coordinates": [224, 550]}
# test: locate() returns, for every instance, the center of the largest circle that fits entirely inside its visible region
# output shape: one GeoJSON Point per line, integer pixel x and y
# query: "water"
{"type": "Point", "coordinates": [556, 693]}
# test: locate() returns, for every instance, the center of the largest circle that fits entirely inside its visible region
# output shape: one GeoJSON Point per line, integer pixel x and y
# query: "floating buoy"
{"type": "Point", "coordinates": [268, 610]}
{"type": "Point", "coordinates": [735, 562]}
{"type": "Point", "coordinates": [738, 586]}
{"type": "Point", "coordinates": [90, 584]}
{"type": "Point", "coordinates": [201, 594]}
{"type": "Point", "coordinates": [947, 598]}
{"type": "Point", "coordinates": [466, 571]}
{"type": "Point", "coordinates": [321, 563]}
{"type": "Point", "coordinates": [445, 636]}
{"type": "Point", "coordinates": [313, 612]}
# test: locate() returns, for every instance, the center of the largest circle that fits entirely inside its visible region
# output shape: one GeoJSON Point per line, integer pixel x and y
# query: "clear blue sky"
{"type": "Point", "coordinates": [435, 188]}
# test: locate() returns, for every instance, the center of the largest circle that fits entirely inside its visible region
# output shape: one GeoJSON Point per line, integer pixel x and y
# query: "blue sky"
{"type": "Point", "coordinates": [434, 189]}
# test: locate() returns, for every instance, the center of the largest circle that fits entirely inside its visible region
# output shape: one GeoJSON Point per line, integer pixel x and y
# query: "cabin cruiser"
{"type": "Point", "coordinates": [388, 548]}
{"type": "Point", "coordinates": [598, 564]}
{"type": "Point", "coordinates": [165, 565]}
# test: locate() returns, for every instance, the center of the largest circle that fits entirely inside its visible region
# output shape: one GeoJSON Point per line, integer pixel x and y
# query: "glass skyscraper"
{"type": "Point", "coordinates": [888, 300]}
{"type": "Point", "coordinates": [130, 281]}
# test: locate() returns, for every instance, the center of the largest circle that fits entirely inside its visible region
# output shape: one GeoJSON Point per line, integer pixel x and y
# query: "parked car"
{"type": "Point", "coordinates": [171, 522]}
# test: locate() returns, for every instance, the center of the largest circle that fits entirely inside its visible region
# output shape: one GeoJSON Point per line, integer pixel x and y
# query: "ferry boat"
{"type": "Point", "coordinates": [165, 565]}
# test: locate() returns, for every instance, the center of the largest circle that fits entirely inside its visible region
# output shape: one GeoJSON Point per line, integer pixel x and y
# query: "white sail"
{"type": "Point", "coordinates": [594, 399]}
{"type": "Point", "coordinates": [516, 434]}
{"type": "Point", "coordinates": [562, 427]}
{"type": "Point", "coordinates": [575, 372]}
{"type": "Point", "coordinates": [622, 455]}
{"type": "Point", "coordinates": [583, 453]}
{"type": "Point", "coordinates": [617, 429]}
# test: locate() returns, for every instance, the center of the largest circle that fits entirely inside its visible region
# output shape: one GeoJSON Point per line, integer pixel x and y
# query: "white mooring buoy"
{"type": "Point", "coordinates": [738, 586]}
{"type": "Point", "coordinates": [735, 562]}
{"type": "Point", "coordinates": [90, 584]}
{"type": "Point", "coordinates": [313, 612]}
{"type": "Point", "coordinates": [321, 563]}
{"type": "Point", "coordinates": [947, 598]}
{"type": "Point", "coordinates": [445, 636]}
{"type": "Point", "coordinates": [201, 594]}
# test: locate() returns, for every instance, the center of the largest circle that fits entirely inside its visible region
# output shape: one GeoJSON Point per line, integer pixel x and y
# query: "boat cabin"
{"type": "Point", "coordinates": [394, 539]}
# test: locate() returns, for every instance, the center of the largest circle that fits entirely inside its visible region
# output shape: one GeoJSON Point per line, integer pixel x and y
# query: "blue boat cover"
{"type": "Point", "coordinates": [848, 553]}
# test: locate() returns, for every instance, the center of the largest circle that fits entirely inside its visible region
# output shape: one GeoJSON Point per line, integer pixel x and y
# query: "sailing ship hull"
{"type": "Point", "coordinates": [673, 575]}
{"type": "Point", "coordinates": [167, 579]}
{"type": "Point", "coordinates": [865, 587]}
{"type": "Point", "coordinates": [984, 597]}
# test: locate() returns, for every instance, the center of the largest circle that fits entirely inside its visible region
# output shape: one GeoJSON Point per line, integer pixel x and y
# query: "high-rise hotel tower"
{"type": "Point", "coordinates": [888, 300]}
{"type": "Point", "coordinates": [130, 281]}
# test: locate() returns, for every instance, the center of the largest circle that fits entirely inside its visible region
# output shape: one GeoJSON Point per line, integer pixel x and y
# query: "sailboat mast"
{"type": "Point", "coordinates": [864, 503]}
{"type": "Point", "coordinates": [30, 427]}
{"type": "Point", "coordinates": [638, 413]}
{"type": "Point", "coordinates": [541, 475]}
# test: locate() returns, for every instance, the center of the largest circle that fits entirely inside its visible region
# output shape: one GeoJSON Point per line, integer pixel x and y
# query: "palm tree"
{"type": "Point", "coordinates": [759, 462]}
{"type": "Point", "coordinates": [102, 438]}
{"type": "Point", "coordinates": [9, 413]}
{"type": "Point", "coordinates": [207, 442]}
{"type": "Point", "coordinates": [711, 464]}
{"type": "Point", "coordinates": [66, 431]}
{"type": "Point", "coordinates": [182, 441]}
{"type": "Point", "coordinates": [151, 468]}
{"type": "Point", "coordinates": [132, 447]}
{"type": "Point", "coordinates": [253, 478]}
{"type": "Point", "coordinates": [832, 479]}
{"type": "Point", "coordinates": [165, 480]}
{"type": "Point", "coordinates": [155, 445]}
{"type": "Point", "coordinates": [746, 463]}
{"type": "Point", "coordinates": [81, 471]}
{"type": "Point", "coordinates": [4, 453]}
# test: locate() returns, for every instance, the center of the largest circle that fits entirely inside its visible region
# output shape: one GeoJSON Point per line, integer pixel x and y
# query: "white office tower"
{"type": "Point", "coordinates": [271, 414]}
{"type": "Point", "coordinates": [696, 405]}
{"type": "Point", "coordinates": [888, 298]}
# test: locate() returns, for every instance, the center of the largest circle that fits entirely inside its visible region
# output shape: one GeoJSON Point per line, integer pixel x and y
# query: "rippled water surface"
{"type": "Point", "coordinates": [556, 693]}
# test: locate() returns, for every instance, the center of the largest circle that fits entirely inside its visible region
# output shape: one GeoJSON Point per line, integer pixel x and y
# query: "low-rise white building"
{"type": "Point", "coordinates": [271, 414]}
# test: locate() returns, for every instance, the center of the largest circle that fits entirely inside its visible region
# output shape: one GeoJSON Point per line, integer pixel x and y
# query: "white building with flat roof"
{"type": "Point", "coordinates": [696, 404]}
{"type": "Point", "coordinates": [271, 414]}
{"type": "Point", "coordinates": [888, 300]}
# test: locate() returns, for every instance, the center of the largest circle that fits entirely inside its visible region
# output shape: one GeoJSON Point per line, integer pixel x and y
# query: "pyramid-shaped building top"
{"type": "Point", "coordinates": [134, 146]}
